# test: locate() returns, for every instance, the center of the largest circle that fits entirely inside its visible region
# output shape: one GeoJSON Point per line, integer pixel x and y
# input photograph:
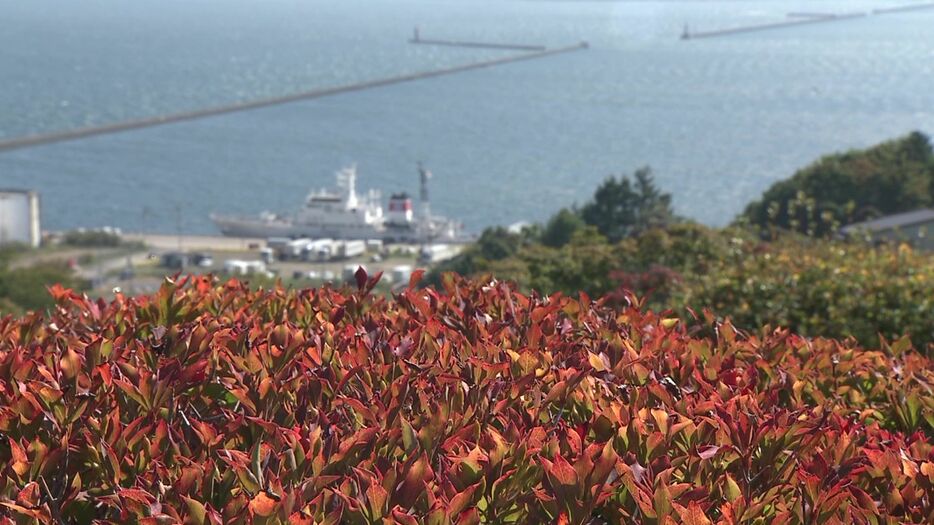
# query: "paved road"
{"type": "Point", "coordinates": [159, 242]}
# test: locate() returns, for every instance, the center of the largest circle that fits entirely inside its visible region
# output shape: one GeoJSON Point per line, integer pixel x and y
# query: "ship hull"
{"type": "Point", "coordinates": [263, 228]}
{"type": "Point", "coordinates": [250, 227]}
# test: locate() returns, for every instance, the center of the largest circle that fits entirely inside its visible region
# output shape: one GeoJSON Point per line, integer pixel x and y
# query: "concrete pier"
{"type": "Point", "coordinates": [80, 133]}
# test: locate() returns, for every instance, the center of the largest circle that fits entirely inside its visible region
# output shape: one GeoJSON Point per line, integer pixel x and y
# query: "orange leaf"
{"type": "Point", "coordinates": [70, 364]}
{"type": "Point", "coordinates": [20, 460]}
{"type": "Point", "coordinates": [29, 496]}
{"type": "Point", "coordinates": [263, 505]}
{"type": "Point", "coordinates": [300, 518]}
{"type": "Point", "coordinates": [693, 515]}
{"type": "Point", "coordinates": [562, 477]}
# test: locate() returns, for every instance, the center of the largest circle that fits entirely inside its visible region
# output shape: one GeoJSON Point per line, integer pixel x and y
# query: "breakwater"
{"type": "Point", "coordinates": [810, 15]}
{"type": "Point", "coordinates": [417, 39]}
{"type": "Point", "coordinates": [902, 9]}
{"type": "Point", "coordinates": [479, 45]}
{"type": "Point", "coordinates": [689, 35]}
{"type": "Point", "coordinates": [118, 127]}
{"type": "Point", "coordinates": [802, 18]}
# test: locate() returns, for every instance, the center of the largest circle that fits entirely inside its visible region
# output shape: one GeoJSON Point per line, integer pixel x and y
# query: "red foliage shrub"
{"type": "Point", "coordinates": [210, 403]}
{"type": "Point", "coordinates": [656, 282]}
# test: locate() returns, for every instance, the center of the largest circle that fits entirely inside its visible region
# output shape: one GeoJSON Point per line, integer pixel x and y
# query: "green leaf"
{"type": "Point", "coordinates": [732, 491]}
{"type": "Point", "coordinates": [902, 345]}
{"type": "Point", "coordinates": [219, 393]}
{"type": "Point", "coordinates": [256, 463]}
{"type": "Point", "coordinates": [662, 501]}
{"type": "Point", "coordinates": [197, 514]}
{"type": "Point", "coordinates": [409, 437]}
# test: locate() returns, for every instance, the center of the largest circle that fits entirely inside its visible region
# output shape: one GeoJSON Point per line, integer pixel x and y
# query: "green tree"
{"type": "Point", "coordinates": [494, 244]}
{"type": "Point", "coordinates": [621, 208]}
{"type": "Point", "coordinates": [892, 177]}
{"type": "Point", "coordinates": [561, 228]}
{"type": "Point", "coordinates": [497, 243]}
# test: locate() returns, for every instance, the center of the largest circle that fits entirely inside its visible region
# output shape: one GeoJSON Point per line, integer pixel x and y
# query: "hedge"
{"type": "Point", "coordinates": [210, 402]}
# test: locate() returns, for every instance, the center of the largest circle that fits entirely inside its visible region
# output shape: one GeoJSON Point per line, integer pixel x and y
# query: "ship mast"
{"type": "Point", "coordinates": [347, 179]}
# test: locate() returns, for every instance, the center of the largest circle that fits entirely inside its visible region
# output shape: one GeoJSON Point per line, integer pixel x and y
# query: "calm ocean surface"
{"type": "Point", "coordinates": [718, 120]}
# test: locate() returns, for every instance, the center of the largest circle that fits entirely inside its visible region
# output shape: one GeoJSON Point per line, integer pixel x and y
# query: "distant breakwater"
{"type": "Point", "coordinates": [802, 18]}
{"type": "Point", "coordinates": [902, 9]}
{"type": "Point", "coordinates": [811, 15]}
{"type": "Point", "coordinates": [687, 35]}
{"type": "Point", "coordinates": [478, 45]}
{"type": "Point", "coordinates": [118, 127]}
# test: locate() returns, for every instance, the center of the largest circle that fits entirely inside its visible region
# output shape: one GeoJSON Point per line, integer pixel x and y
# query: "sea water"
{"type": "Point", "coordinates": [718, 120]}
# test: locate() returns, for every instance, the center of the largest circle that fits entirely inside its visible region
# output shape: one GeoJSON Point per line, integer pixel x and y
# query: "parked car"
{"type": "Point", "coordinates": [202, 260]}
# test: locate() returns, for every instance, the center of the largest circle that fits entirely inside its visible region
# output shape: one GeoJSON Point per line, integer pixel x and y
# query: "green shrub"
{"type": "Point", "coordinates": [824, 288]}
{"type": "Point", "coordinates": [91, 238]}
{"type": "Point", "coordinates": [23, 289]}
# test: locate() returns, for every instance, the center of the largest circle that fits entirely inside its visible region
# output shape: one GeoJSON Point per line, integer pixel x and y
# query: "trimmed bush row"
{"type": "Point", "coordinates": [212, 403]}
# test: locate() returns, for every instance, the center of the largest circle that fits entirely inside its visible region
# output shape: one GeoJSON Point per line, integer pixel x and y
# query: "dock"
{"type": "Point", "coordinates": [160, 120]}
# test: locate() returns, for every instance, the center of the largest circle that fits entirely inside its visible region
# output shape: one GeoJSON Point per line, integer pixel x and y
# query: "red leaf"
{"type": "Point", "coordinates": [562, 477]}
{"type": "Point", "coordinates": [413, 485]}
{"type": "Point", "coordinates": [459, 502]}
{"type": "Point", "coordinates": [469, 517]}
{"type": "Point", "coordinates": [403, 518]}
{"type": "Point", "coordinates": [137, 495]}
{"type": "Point", "coordinates": [361, 276]}
{"type": "Point", "coordinates": [416, 277]}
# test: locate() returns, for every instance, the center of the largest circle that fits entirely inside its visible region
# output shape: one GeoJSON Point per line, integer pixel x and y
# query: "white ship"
{"type": "Point", "coordinates": [342, 214]}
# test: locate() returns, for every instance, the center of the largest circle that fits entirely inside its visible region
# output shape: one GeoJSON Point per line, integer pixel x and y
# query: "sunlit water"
{"type": "Point", "coordinates": [719, 120]}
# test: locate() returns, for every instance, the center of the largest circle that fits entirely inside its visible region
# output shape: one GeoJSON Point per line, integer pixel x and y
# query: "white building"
{"type": "Point", "coordinates": [19, 217]}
